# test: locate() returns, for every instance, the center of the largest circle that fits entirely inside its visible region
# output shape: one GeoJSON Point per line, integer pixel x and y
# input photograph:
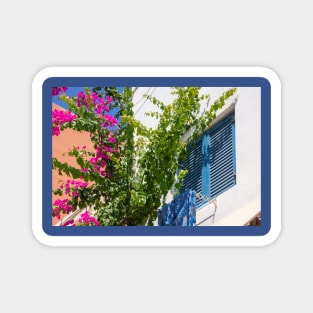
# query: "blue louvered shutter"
{"type": "Point", "coordinates": [193, 179]}
{"type": "Point", "coordinates": [222, 157]}
{"type": "Point", "coordinates": [211, 162]}
{"type": "Point", "coordinates": [205, 175]}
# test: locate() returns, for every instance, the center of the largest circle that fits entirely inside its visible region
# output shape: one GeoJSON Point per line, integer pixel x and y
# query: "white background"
{"type": "Point", "coordinates": [35, 35]}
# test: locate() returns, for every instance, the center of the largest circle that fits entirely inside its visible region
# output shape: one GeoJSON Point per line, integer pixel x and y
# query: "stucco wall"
{"type": "Point", "coordinates": [248, 156]}
{"type": "Point", "coordinates": [247, 107]}
{"type": "Point", "coordinates": [60, 145]}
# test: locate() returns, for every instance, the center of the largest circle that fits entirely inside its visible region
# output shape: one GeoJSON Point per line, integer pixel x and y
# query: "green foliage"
{"type": "Point", "coordinates": [148, 163]}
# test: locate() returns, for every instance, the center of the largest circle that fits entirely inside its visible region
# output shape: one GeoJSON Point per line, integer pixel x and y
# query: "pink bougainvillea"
{"type": "Point", "coordinates": [93, 101]}
{"type": "Point", "coordinates": [98, 105]}
{"type": "Point", "coordinates": [72, 187]}
{"type": "Point", "coordinates": [111, 139]}
{"type": "Point", "coordinates": [61, 206]}
{"type": "Point", "coordinates": [99, 161]}
{"type": "Point", "coordinates": [57, 90]}
{"type": "Point", "coordinates": [60, 117]}
{"type": "Point", "coordinates": [93, 163]}
{"type": "Point", "coordinates": [108, 120]}
{"type": "Point", "coordinates": [85, 219]}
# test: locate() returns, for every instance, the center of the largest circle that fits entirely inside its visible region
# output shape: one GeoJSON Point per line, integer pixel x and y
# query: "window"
{"type": "Point", "coordinates": [211, 163]}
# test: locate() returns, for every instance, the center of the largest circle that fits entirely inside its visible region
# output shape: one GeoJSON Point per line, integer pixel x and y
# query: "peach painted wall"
{"type": "Point", "coordinates": [62, 143]}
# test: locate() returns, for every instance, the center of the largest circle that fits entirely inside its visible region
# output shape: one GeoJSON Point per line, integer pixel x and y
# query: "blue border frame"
{"type": "Point", "coordinates": [158, 82]}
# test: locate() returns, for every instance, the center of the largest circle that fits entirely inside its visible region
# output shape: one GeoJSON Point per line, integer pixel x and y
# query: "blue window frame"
{"type": "Point", "coordinates": [211, 163]}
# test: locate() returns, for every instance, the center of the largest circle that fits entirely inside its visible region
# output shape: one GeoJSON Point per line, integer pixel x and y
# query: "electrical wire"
{"type": "Point", "coordinates": [145, 100]}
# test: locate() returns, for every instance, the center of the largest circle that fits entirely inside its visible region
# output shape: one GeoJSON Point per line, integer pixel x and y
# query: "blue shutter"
{"type": "Point", "coordinates": [193, 179]}
{"type": "Point", "coordinates": [222, 157]}
{"type": "Point", "coordinates": [211, 162]}
{"type": "Point", "coordinates": [205, 174]}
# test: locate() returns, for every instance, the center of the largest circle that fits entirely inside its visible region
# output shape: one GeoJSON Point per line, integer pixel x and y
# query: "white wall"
{"type": "Point", "coordinates": [142, 105]}
{"type": "Point", "coordinates": [248, 155]}
{"type": "Point", "coordinates": [247, 106]}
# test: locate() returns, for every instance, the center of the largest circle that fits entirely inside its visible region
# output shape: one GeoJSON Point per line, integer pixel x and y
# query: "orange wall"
{"type": "Point", "coordinates": [62, 143]}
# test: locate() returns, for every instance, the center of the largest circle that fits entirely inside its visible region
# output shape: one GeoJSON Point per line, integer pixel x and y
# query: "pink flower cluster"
{"type": "Point", "coordinates": [61, 206]}
{"type": "Point", "coordinates": [71, 187]}
{"type": "Point", "coordinates": [92, 101]}
{"type": "Point", "coordinates": [86, 220]}
{"type": "Point", "coordinates": [99, 105]}
{"type": "Point", "coordinates": [103, 153]}
{"type": "Point", "coordinates": [60, 117]}
{"type": "Point", "coordinates": [57, 90]}
{"type": "Point", "coordinates": [108, 120]}
{"type": "Point", "coordinates": [111, 139]}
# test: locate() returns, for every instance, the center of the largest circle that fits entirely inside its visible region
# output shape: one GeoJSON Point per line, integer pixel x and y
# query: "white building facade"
{"type": "Point", "coordinates": [239, 203]}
